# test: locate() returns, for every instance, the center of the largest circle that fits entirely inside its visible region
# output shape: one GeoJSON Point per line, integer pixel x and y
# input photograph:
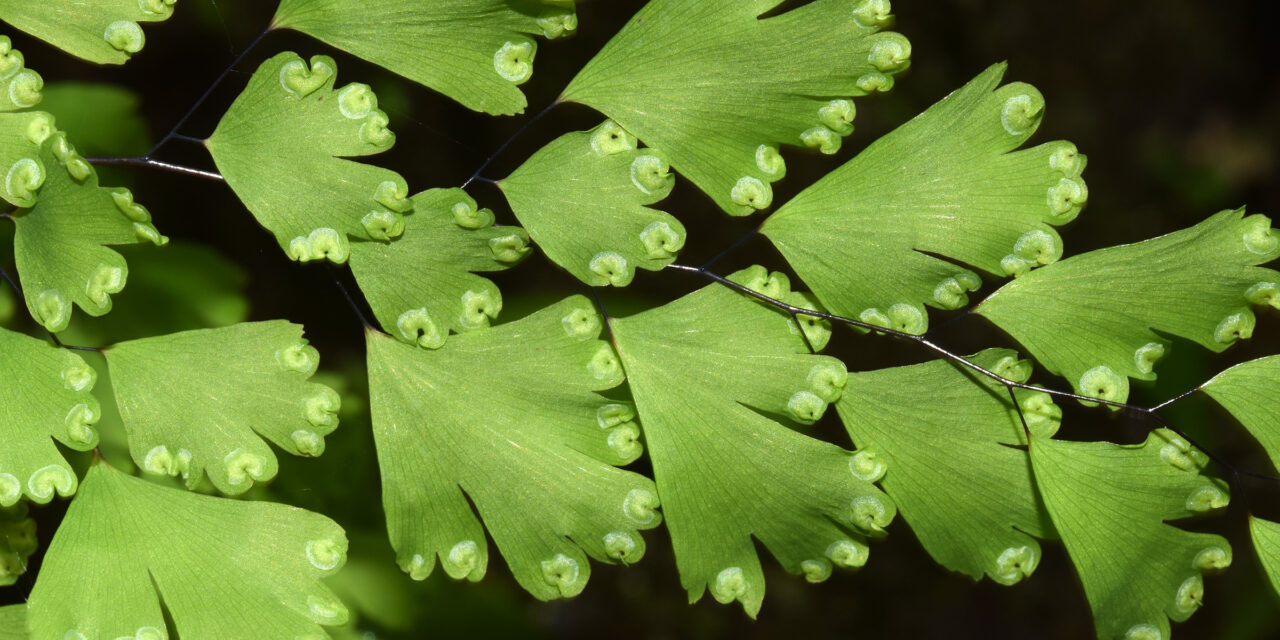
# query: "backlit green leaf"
{"type": "Point", "coordinates": [718, 89]}
{"type": "Point", "coordinates": [713, 373]}
{"type": "Point", "coordinates": [102, 31]}
{"type": "Point", "coordinates": [422, 286]}
{"type": "Point", "coordinates": [510, 419]}
{"type": "Point", "coordinates": [283, 148]}
{"type": "Point", "coordinates": [48, 397]}
{"type": "Point", "coordinates": [1092, 318]}
{"type": "Point", "coordinates": [947, 183]}
{"type": "Point", "coordinates": [13, 622]}
{"type": "Point", "coordinates": [947, 444]}
{"type": "Point", "coordinates": [1249, 391]}
{"type": "Point", "coordinates": [1111, 504]}
{"type": "Point", "coordinates": [583, 199]}
{"type": "Point", "coordinates": [203, 401]}
{"type": "Point", "coordinates": [479, 51]}
{"type": "Point", "coordinates": [223, 568]}
{"type": "Point", "coordinates": [1266, 541]}
{"type": "Point", "coordinates": [60, 246]}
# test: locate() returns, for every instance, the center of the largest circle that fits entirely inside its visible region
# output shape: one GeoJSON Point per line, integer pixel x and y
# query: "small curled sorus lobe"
{"type": "Point", "coordinates": [383, 225]}
{"type": "Point", "coordinates": [1021, 113]}
{"type": "Point", "coordinates": [124, 36]}
{"type": "Point", "coordinates": [612, 415]}
{"type": "Point", "coordinates": [750, 191]}
{"type": "Point", "coordinates": [319, 244]}
{"type": "Point", "coordinates": [582, 324]}
{"type": "Point", "coordinates": [952, 292]}
{"type": "Point", "coordinates": [160, 9]}
{"type": "Point", "coordinates": [1190, 595]}
{"type": "Point", "coordinates": [612, 269]}
{"type": "Point", "coordinates": [123, 199]}
{"type": "Point", "coordinates": [1067, 159]}
{"type": "Point", "coordinates": [145, 232]}
{"type": "Point", "coordinates": [416, 567]}
{"type": "Point", "coordinates": [874, 83]}
{"type": "Point", "coordinates": [299, 357]}
{"type": "Point", "coordinates": [321, 409]}
{"type": "Point", "coordinates": [1206, 497]}
{"type": "Point", "coordinates": [464, 559]}
{"type": "Point", "coordinates": [104, 281]}
{"type": "Point", "coordinates": [1264, 293]}
{"type": "Point", "coordinates": [1043, 417]}
{"type": "Point", "coordinates": [1103, 383]}
{"type": "Point", "coordinates": [52, 310]}
{"type": "Point", "coordinates": [837, 115]}
{"type": "Point", "coordinates": [806, 407]}
{"type": "Point", "coordinates": [610, 138]}
{"type": "Point", "coordinates": [393, 195]}
{"type": "Point", "coordinates": [39, 128]}
{"type": "Point", "coordinates": [244, 467]}
{"type": "Point", "coordinates": [510, 248]}
{"type": "Point", "coordinates": [161, 461]}
{"type": "Point", "coordinates": [79, 422]}
{"type": "Point", "coordinates": [25, 89]}
{"type": "Point", "coordinates": [326, 554]}
{"type": "Point", "coordinates": [562, 572]}
{"type": "Point", "coordinates": [891, 52]}
{"type": "Point", "coordinates": [770, 162]}
{"type": "Point", "coordinates": [1259, 238]}
{"type": "Point", "coordinates": [557, 22]}
{"type": "Point", "coordinates": [848, 554]}
{"type": "Point", "coordinates": [513, 61]}
{"type": "Point", "coordinates": [868, 466]}
{"type": "Point", "coordinates": [625, 442]}
{"type": "Point", "coordinates": [651, 174]}
{"type": "Point", "coordinates": [1180, 454]}
{"type": "Point", "coordinates": [816, 571]}
{"type": "Point", "coordinates": [308, 443]}
{"type": "Point", "coordinates": [827, 380]}
{"type": "Point", "coordinates": [729, 585]}
{"type": "Point", "coordinates": [374, 131]}
{"type": "Point", "coordinates": [301, 81]}
{"type": "Point", "coordinates": [604, 365]}
{"type": "Point", "coordinates": [774, 285]}
{"type": "Point", "coordinates": [416, 326]}
{"type": "Point", "coordinates": [621, 546]}
{"type": "Point", "coordinates": [78, 376]}
{"type": "Point", "coordinates": [356, 101]}
{"type": "Point", "coordinates": [640, 506]}
{"type": "Point", "coordinates": [1212, 560]}
{"type": "Point", "coordinates": [1014, 564]}
{"type": "Point", "coordinates": [821, 138]}
{"type": "Point", "coordinates": [466, 215]}
{"type": "Point", "coordinates": [1237, 326]}
{"type": "Point", "coordinates": [24, 179]}
{"type": "Point", "coordinates": [1066, 198]}
{"type": "Point", "coordinates": [478, 308]}
{"type": "Point", "coordinates": [868, 513]}
{"type": "Point", "coordinates": [1146, 356]}
{"type": "Point", "coordinates": [10, 489]}
{"type": "Point", "coordinates": [1012, 368]}
{"type": "Point", "coordinates": [662, 241]}
{"type": "Point", "coordinates": [46, 480]}
{"type": "Point", "coordinates": [873, 13]}
{"type": "Point", "coordinates": [903, 317]}
{"type": "Point", "coordinates": [1143, 632]}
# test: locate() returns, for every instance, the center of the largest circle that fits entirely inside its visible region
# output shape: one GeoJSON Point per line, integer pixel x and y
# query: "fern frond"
{"type": "Point", "coordinates": [103, 31]}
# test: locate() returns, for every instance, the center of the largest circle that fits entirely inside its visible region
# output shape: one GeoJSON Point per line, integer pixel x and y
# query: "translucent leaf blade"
{"type": "Point", "coordinates": [202, 402]}
{"type": "Point", "coordinates": [944, 445]}
{"type": "Point", "coordinates": [583, 199]}
{"type": "Point", "coordinates": [712, 374]}
{"type": "Point", "coordinates": [50, 399]}
{"type": "Point", "coordinates": [13, 622]}
{"type": "Point", "coordinates": [718, 89]}
{"type": "Point", "coordinates": [61, 243]}
{"type": "Point", "coordinates": [525, 436]}
{"type": "Point", "coordinates": [283, 148]}
{"type": "Point", "coordinates": [1092, 318]}
{"type": "Point", "coordinates": [481, 50]}
{"type": "Point", "coordinates": [104, 31]}
{"type": "Point", "coordinates": [423, 285]}
{"type": "Point", "coordinates": [1266, 542]}
{"type": "Point", "coordinates": [1111, 505]}
{"type": "Point", "coordinates": [950, 183]}
{"type": "Point", "coordinates": [223, 568]}
{"type": "Point", "coordinates": [1248, 390]}
{"type": "Point", "coordinates": [21, 137]}
{"type": "Point", "coordinates": [20, 87]}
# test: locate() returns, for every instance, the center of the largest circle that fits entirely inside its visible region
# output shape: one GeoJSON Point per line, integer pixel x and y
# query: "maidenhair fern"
{"type": "Point", "coordinates": [563, 436]}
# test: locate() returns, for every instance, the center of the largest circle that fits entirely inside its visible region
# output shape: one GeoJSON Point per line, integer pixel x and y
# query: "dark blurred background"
{"type": "Point", "coordinates": [1176, 103]}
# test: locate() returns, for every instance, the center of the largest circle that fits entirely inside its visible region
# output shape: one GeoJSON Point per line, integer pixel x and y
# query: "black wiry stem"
{"type": "Point", "coordinates": [351, 301]}
{"type": "Point", "coordinates": [503, 147]}
{"type": "Point", "coordinates": [145, 161]}
{"type": "Point", "coordinates": [1150, 412]}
